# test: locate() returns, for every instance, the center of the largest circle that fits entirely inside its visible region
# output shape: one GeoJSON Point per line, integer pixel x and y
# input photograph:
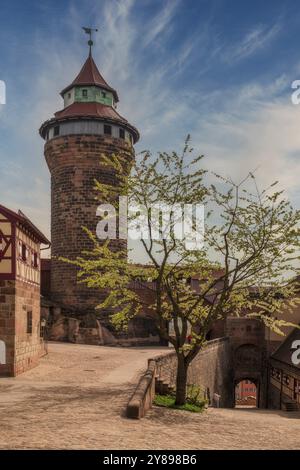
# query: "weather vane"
{"type": "Point", "coordinates": [90, 32]}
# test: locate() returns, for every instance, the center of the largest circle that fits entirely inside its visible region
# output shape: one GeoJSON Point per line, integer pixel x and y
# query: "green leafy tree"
{"type": "Point", "coordinates": [247, 265]}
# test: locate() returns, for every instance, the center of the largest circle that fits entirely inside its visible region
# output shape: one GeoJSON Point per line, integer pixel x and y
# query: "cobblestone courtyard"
{"type": "Point", "coordinates": [77, 396]}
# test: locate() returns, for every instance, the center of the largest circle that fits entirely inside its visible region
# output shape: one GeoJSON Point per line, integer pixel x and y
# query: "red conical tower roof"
{"type": "Point", "coordinates": [89, 75]}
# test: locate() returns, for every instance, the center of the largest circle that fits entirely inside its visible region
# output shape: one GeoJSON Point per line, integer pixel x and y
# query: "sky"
{"type": "Point", "coordinates": [220, 70]}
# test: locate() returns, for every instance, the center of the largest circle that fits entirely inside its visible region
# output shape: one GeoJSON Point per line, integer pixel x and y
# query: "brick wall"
{"type": "Point", "coordinates": [74, 163]}
{"type": "Point", "coordinates": [22, 349]}
{"type": "Point", "coordinates": [27, 345]}
{"type": "Point", "coordinates": [247, 340]}
{"type": "Point", "coordinates": [7, 324]}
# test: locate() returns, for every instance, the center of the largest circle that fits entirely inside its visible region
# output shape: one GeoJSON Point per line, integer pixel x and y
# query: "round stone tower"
{"type": "Point", "coordinates": [76, 137]}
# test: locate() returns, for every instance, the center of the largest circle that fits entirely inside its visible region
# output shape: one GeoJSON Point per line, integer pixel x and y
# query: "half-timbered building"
{"type": "Point", "coordinates": [284, 386]}
{"type": "Point", "coordinates": [21, 343]}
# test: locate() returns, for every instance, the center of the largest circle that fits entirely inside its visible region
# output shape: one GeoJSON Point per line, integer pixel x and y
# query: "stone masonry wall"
{"type": "Point", "coordinates": [7, 324]}
{"type": "Point", "coordinates": [22, 349]}
{"type": "Point", "coordinates": [28, 346]}
{"type": "Point", "coordinates": [211, 369]}
{"type": "Point", "coordinates": [248, 346]}
{"type": "Point", "coordinates": [74, 163]}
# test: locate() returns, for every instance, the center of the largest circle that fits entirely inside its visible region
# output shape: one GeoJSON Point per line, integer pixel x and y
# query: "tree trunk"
{"type": "Point", "coordinates": [181, 380]}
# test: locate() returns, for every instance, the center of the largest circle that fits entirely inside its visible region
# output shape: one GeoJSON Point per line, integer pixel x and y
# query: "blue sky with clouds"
{"type": "Point", "coordinates": [220, 70]}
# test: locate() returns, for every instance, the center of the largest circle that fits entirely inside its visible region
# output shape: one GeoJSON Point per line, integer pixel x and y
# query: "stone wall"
{"type": "Point", "coordinates": [28, 346]}
{"type": "Point", "coordinates": [142, 398]}
{"type": "Point", "coordinates": [211, 369]}
{"type": "Point", "coordinates": [249, 353]}
{"type": "Point", "coordinates": [7, 325]}
{"type": "Point", "coordinates": [23, 349]}
{"type": "Point", "coordinates": [75, 162]}
{"type": "Point", "coordinates": [82, 328]}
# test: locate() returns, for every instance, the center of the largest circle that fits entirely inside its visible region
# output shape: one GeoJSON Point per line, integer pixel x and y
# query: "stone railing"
{"type": "Point", "coordinates": [143, 396]}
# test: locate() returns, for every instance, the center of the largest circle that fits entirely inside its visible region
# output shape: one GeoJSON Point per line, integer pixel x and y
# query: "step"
{"type": "Point", "coordinates": [291, 406]}
{"type": "Point", "coordinates": [162, 387]}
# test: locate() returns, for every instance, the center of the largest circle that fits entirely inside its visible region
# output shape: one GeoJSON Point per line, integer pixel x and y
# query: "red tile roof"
{"type": "Point", "coordinates": [90, 75]}
{"type": "Point", "coordinates": [90, 110]}
{"type": "Point", "coordinates": [23, 220]}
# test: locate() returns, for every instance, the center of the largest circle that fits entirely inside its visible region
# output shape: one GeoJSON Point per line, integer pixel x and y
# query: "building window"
{"type": "Point", "coordinates": [69, 95]}
{"type": "Point", "coordinates": [29, 323]}
{"type": "Point", "coordinates": [107, 129]}
{"type": "Point", "coordinates": [103, 94]}
{"type": "Point", "coordinates": [84, 93]}
{"type": "Point", "coordinates": [121, 133]}
{"type": "Point", "coordinates": [35, 260]}
{"type": "Point", "coordinates": [24, 252]}
{"type": "Point", "coordinates": [286, 379]}
{"type": "Point", "coordinates": [56, 131]}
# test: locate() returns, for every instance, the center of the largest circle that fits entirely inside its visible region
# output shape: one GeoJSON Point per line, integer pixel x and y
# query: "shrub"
{"type": "Point", "coordinates": [168, 401]}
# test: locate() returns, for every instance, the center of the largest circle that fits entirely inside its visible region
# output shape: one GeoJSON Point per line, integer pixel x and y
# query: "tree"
{"type": "Point", "coordinates": [246, 267]}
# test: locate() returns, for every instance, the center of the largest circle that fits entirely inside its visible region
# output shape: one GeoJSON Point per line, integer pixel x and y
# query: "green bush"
{"type": "Point", "coordinates": [168, 401]}
{"type": "Point", "coordinates": [196, 395]}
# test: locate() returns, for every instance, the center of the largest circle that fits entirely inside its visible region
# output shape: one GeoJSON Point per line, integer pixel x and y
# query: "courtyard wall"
{"type": "Point", "coordinates": [211, 369]}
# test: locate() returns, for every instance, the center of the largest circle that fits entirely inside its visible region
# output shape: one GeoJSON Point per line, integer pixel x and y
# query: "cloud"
{"type": "Point", "coordinates": [255, 129]}
{"type": "Point", "coordinates": [255, 40]}
{"type": "Point", "coordinates": [161, 23]}
{"type": "Point", "coordinates": [239, 127]}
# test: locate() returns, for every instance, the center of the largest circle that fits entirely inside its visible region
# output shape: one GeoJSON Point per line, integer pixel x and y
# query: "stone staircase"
{"type": "Point", "coordinates": [290, 406]}
{"type": "Point", "coordinates": [162, 387]}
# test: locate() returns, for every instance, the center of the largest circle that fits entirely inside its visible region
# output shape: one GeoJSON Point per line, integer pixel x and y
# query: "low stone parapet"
{"type": "Point", "coordinates": [142, 398]}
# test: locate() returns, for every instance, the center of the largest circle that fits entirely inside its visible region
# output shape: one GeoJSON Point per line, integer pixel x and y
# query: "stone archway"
{"type": "Point", "coordinates": [246, 392]}
{"type": "Point", "coordinates": [2, 353]}
{"type": "Point", "coordinates": [247, 360]}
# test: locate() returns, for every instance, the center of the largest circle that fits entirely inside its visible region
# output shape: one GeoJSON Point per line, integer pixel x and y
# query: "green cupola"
{"type": "Point", "coordinates": [89, 87]}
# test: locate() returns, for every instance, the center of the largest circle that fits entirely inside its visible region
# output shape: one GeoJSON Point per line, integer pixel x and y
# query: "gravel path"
{"type": "Point", "coordinates": [77, 396]}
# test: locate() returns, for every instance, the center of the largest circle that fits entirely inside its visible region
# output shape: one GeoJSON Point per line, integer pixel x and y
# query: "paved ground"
{"type": "Point", "coordinates": [77, 396]}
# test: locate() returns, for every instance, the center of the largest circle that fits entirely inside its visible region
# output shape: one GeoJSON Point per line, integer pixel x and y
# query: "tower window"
{"type": "Point", "coordinates": [56, 131]}
{"type": "Point", "coordinates": [107, 129]}
{"type": "Point", "coordinates": [69, 95]}
{"type": "Point", "coordinates": [103, 94]}
{"type": "Point", "coordinates": [29, 322]}
{"type": "Point", "coordinates": [84, 93]}
{"type": "Point", "coordinates": [121, 133]}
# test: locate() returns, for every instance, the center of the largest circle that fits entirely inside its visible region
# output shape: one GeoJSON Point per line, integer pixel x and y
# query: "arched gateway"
{"type": "Point", "coordinates": [248, 355]}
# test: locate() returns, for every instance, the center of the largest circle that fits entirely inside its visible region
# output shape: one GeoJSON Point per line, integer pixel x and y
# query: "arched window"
{"type": "Point", "coordinates": [2, 352]}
